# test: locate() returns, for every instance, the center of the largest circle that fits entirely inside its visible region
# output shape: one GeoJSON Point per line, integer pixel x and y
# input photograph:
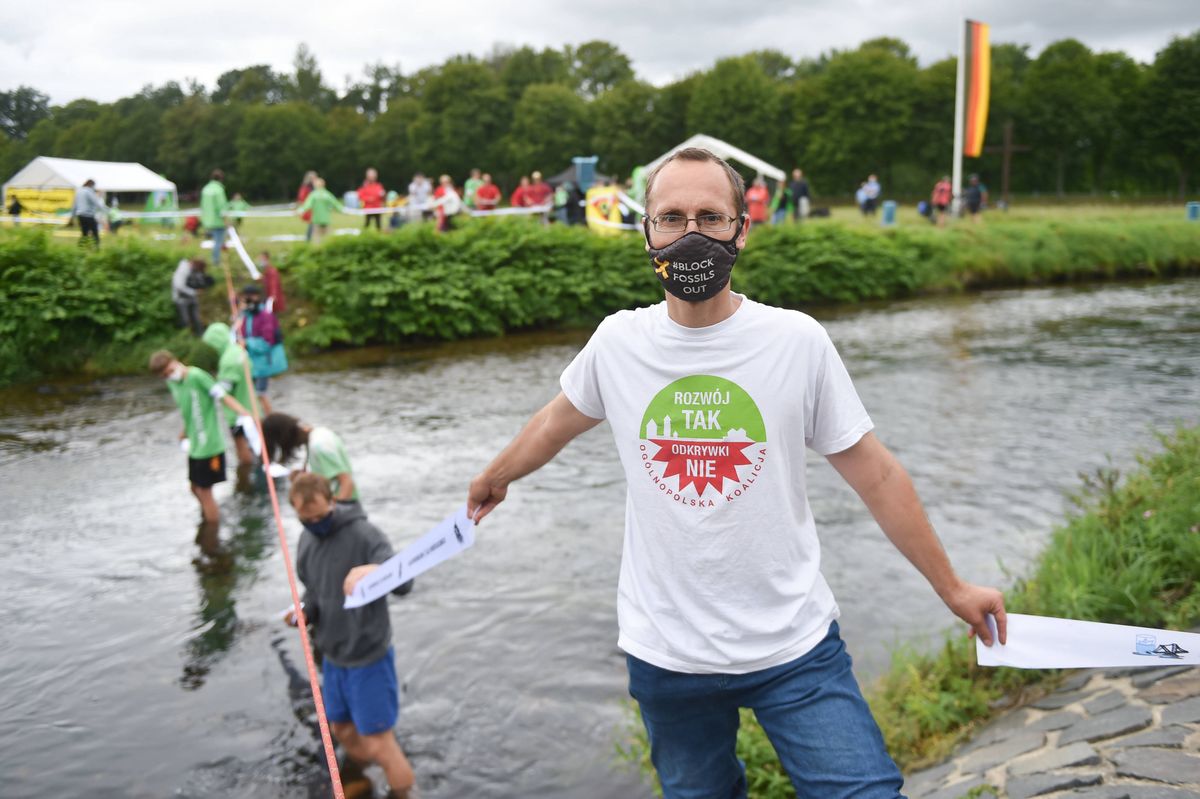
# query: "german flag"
{"type": "Point", "coordinates": [977, 59]}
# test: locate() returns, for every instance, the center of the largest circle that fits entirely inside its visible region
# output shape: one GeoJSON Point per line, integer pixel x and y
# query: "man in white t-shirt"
{"type": "Point", "coordinates": [713, 401]}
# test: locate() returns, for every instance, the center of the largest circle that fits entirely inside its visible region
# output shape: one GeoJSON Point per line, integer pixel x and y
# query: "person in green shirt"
{"type": "Point", "coordinates": [196, 394]}
{"type": "Point", "coordinates": [470, 187]}
{"type": "Point", "coordinates": [322, 203]}
{"type": "Point", "coordinates": [238, 204]}
{"type": "Point", "coordinates": [324, 452]}
{"type": "Point", "coordinates": [213, 205]}
{"type": "Point", "coordinates": [231, 376]}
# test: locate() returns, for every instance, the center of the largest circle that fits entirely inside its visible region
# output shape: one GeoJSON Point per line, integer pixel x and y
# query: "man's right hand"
{"type": "Point", "coordinates": [483, 495]}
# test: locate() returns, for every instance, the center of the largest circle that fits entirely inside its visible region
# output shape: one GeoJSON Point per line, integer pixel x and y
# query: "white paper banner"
{"type": "Point", "coordinates": [241, 251]}
{"type": "Point", "coordinates": [1042, 642]}
{"type": "Point", "coordinates": [451, 536]}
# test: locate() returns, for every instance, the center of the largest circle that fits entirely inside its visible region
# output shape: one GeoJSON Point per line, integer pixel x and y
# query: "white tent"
{"type": "Point", "coordinates": [49, 181]}
{"type": "Point", "coordinates": [726, 151]}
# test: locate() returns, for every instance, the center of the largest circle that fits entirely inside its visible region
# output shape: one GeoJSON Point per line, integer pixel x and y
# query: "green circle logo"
{"type": "Point", "coordinates": [705, 429]}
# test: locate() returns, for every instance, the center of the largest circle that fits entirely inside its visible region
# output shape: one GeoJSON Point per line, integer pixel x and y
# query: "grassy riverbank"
{"type": "Point", "coordinates": [65, 309]}
{"type": "Point", "coordinates": [1130, 555]}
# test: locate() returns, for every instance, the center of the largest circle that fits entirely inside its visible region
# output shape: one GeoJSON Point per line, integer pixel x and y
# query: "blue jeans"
{"type": "Point", "coordinates": [218, 240]}
{"type": "Point", "coordinates": [810, 708]}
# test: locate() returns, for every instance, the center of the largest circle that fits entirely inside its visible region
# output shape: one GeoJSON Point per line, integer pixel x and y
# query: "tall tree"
{"type": "Point", "coordinates": [198, 137]}
{"type": "Point", "coordinates": [337, 150]}
{"type": "Point", "coordinates": [1065, 102]}
{"type": "Point", "coordinates": [669, 124]}
{"type": "Point", "coordinates": [1173, 90]}
{"type": "Point", "coordinates": [21, 109]}
{"type": "Point", "coordinates": [464, 113]}
{"type": "Point", "coordinates": [370, 95]}
{"type": "Point", "coordinates": [307, 84]}
{"type": "Point", "coordinates": [596, 66]}
{"type": "Point", "coordinates": [276, 144]}
{"type": "Point", "coordinates": [525, 66]}
{"type": "Point", "coordinates": [384, 143]}
{"type": "Point", "coordinates": [621, 127]}
{"type": "Point", "coordinates": [852, 118]}
{"type": "Point", "coordinates": [737, 102]}
{"type": "Point", "coordinates": [929, 147]}
{"type": "Point", "coordinates": [1120, 138]}
{"type": "Point", "coordinates": [256, 85]}
{"type": "Point", "coordinates": [774, 64]}
{"type": "Point", "coordinates": [550, 125]}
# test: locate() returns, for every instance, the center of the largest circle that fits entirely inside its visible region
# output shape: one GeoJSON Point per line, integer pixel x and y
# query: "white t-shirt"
{"type": "Point", "coordinates": [720, 571]}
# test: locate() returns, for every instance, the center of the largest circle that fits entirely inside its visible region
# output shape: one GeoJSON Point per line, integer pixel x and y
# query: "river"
{"type": "Point", "coordinates": [131, 670]}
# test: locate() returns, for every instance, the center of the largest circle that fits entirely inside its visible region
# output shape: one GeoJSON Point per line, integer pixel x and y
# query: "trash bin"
{"type": "Point", "coordinates": [889, 213]}
{"type": "Point", "coordinates": [1193, 211]}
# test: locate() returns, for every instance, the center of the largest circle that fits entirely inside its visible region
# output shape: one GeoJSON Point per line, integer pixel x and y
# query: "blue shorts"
{"type": "Point", "coordinates": [366, 695]}
{"type": "Point", "coordinates": [260, 384]}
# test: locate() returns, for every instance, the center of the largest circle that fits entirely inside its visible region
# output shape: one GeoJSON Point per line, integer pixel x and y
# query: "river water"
{"type": "Point", "coordinates": [130, 670]}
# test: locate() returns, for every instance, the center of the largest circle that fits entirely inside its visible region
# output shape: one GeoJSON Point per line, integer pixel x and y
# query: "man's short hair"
{"type": "Point", "coordinates": [218, 175]}
{"type": "Point", "coordinates": [736, 184]}
{"type": "Point", "coordinates": [160, 360]}
{"type": "Point", "coordinates": [307, 486]}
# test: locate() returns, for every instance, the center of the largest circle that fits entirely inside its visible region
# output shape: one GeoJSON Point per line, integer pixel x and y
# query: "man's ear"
{"type": "Point", "coordinates": [646, 231]}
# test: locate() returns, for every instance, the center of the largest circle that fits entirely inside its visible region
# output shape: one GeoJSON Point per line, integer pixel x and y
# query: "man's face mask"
{"type": "Point", "coordinates": [322, 527]}
{"type": "Point", "coordinates": [695, 266]}
{"type": "Point", "coordinates": [177, 374]}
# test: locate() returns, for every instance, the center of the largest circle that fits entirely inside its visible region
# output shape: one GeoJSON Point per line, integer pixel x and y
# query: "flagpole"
{"type": "Point", "coordinates": [959, 91]}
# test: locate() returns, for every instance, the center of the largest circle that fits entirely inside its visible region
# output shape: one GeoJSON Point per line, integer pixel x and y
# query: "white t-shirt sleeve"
{"type": "Point", "coordinates": [836, 418]}
{"type": "Point", "coordinates": [580, 380]}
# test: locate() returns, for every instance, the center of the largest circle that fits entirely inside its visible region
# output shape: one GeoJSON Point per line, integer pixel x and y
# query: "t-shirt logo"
{"type": "Point", "coordinates": [703, 441]}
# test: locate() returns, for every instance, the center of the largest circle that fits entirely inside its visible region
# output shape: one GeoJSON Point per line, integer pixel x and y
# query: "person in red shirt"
{"type": "Point", "coordinates": [940, 198]}
{"type": "Point", "coordinates": [758, 200]}
{"type": "Point", "coordinates": [276, 303]}
{"type": "Point", "coordinates": [306, 187]}
{"type": "Point", "coordinates": [538, 193]}
{"type": "Point", "coordinates": [518, 199]}
{"type": "Point", "coordinates": [487, 196]}
{"type": "Point", "coordinates": [370, 195]}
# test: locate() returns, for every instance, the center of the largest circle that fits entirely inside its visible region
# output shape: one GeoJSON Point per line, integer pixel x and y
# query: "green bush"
{"type": "Point", "coordinates": [59, 304]}
{"type": "Point", "coordinates": [487, 278]}
{"type": "Point", "coordinates": [62, 307]}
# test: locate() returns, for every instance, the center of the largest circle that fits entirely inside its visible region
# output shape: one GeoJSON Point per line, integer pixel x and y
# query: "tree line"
{"type": "Point", "coordinates": [1093, 122]}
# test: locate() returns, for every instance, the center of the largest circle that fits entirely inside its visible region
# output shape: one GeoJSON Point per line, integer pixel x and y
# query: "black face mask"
{"type": "Point", "coordinates": [322, 527]}
{"type": "Point", "coordinates": [694, 267]}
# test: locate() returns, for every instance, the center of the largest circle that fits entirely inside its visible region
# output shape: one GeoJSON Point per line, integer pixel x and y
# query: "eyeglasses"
{"type": "Point", "coordinates": [706, 223]}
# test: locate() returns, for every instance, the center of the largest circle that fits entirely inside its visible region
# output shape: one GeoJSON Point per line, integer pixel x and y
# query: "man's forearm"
{"type": "Point", "coordinates": [887, 490]}
{"type": "Point", "coordinates": [898, 511]}
{"type": "Point", "coordinates": [532, 448]}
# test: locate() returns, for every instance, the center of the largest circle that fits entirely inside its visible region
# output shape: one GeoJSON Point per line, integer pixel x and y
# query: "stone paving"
{"type": "Point", "coordinates": [1107, 734]}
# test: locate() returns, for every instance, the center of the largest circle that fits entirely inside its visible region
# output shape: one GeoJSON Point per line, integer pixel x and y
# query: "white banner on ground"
{"type": "Point", "coordinates": [452, 535]}
{"type": "Point", "coordinates": [1043, 642]}
{"type": "Point", "coordinates": [533, 209]}
{"type": "Point", "coordinates": [231, 231]}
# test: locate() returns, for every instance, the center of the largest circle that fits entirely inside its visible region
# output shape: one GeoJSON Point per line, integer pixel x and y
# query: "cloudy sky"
{"type": "Point", "coordinates": [82, 48]}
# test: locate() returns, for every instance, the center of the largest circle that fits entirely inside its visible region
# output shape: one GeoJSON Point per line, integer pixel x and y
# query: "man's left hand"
{"type": "Point", "coordinates": [972, 603]}
{"type": "Point", "coordinates": [356, 574]}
